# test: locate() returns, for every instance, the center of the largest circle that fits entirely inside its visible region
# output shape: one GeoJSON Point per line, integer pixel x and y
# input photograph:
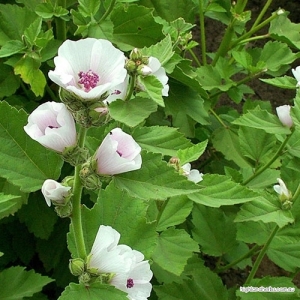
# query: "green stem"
{"type": "Point", "coordinates": [202, 33]}
{"type": "Point", "coordinates": [218, 118]}
{"type": "Point", "coordinates": [253, 30]}
{"type": "Point", "coordinates": [52, 95]}
{"type": "Point", "coordinates": [194, 57]}
{"type": "Point", "coordinates": [77, 193]}
{"type": "Point", "coordinates": [226, 41]}
{"type": "Point", "coordinates": [108, 11]}
{"type": "Point", "coordinates": [61, 29]}
{"type": "Point", "coordinates": [296, 194]}
{"type": "Point", "coordinates": [261, 255]}
{"type": "Point", "coordinates": [271, 161]}
{"type": "Point", "coordinates": [131, 87]}
{"type": "Point", "coordinates": [262, 13]}
{"type": "Point", "coordinates": [233, 263]}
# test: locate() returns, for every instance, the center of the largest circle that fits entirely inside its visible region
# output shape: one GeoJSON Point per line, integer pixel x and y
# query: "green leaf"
{"type": "Point", "coordinates": [12, 47]}
{"type": "Point", "coordinates": [213, 230]}
{"type": "Point", "coordinates": [88, 7]}
{"type": "Point", "coordinates": [282, 29]}
{"type": "Point", "coordinates": [38, 217]}
{"type": "Point", "coordinates": [132, 112]}
{"type": "Point", "coordinates": [175, 212]}
{"type": "Point", "coordinates": [226, 141]}
{"type": "Point", "coordinates": [47, 10]}
{"type": "Point", "coordinates": [204, 284]}
{"type": "Point", "coordinates": [136, 28]}
{"type": "Point", "coordinates": [153, 87]}
{"type": "Point", "coordinates": [155, 180]}
{"type": "Point", "coordinates": [267, 209]}
{"type": "Point", "coordinates": [256, 144]}
{"type": "Point", "coordinates": [261, 119]}
{"type": "Point", "coordinates": [9, 204]}
{"type": "Point", "coordinates": [32, 32]}
{"type": "Point", "coordinates": [9, 82]}
{"type": "Point", "coordinates": [174, 248]}
{"type": "Point", "coordinates": [192, 153]}
{"type": "Point", "coordinates": [184, 100]}
{"type": "Point", "coordinates": [10, 30]}
{"type": "Point", "coordinates": [23, 161]}
{"type": "Point", "coordinates": [295, 112]}
{"type": "Point", "coordinates": [160, 139]}
{"type": "Point", "coordinates": [16, 283]}
{"type": "Point", "coordinates": [125, 214]}
{"type": "Point", "coordinates": [96, 291]}
{"type": "Point", "coordinates": [220, 190]}
{"type": "Point", "coordinates": [275, 55]}
{"type": "Point", "coordinates": [285, 82]}
{"type": "Point", "coordinates": [163, 50]}
{"type": "Point", "coordinates": [28, 68]}
{"type": "Point", "coordinates": [170, 10]}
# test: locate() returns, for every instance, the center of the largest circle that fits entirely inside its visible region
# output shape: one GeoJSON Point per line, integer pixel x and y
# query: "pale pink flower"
{"type": "Point", "coordinates": [52, 125]}
{"type": "Point", "coordinates": [192, 175]}
{"type": "Point", "coordinates": [283, 113]}
{"type": "Point", "coordinates": [118, 153]}
{"type": "Point", "coordinates": [54, 191]}
{"type": "Point", "coordinates": [89, 68]}
{"type": "Point", "coordinates": [118, 92]}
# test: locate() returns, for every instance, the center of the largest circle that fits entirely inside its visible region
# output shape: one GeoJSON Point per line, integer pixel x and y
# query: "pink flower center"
{"type": "Point", "coordinates": [130, 283]}
{"type": "Point", "coordinates": [88, 79]}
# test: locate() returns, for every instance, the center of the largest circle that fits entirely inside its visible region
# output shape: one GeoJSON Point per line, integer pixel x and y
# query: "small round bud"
{"type": "Point", "coordinates": [75, 155]}
{"type": "Point", "coordinates": [89, 178]}
{"type": "Point", "coordinates": [130, 66]}
{"type": "Point", "coordinates": [135, 54]}
{"type": "Point", "coordinates": [76, 266]}
{"type": "Point", "coordinates": [64, 211]}
{"type": "Point", "coordinates": [144, 70]}
{"type": "Point", "coordinates": [84, 278]}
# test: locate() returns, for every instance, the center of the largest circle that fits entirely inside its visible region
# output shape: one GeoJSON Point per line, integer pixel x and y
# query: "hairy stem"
{"type": "Point", "coordinates": [61, 29]}
{"type": "Point", "coordinates": [77, 193]}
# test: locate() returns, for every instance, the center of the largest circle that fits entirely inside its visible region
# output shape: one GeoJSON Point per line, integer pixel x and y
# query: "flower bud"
{"type": "Point", "coordinates": [135, 55]}
{"type": "Point", "coordinates": [281, 189]}
{"type": "Point", "coordinates": [130, 66]}
{"type": "Point", "coordinates": [284, 116]}
{"type": "Point", "coordinates": [76, 266]}
{"type": "Point", "coordinates": [75, 155]}
{"type": "Point", "coordinates": [88, 175]}
{"type": "Point", "coordinates": [144, 70]}
{"type": "Point", "coordinates": [84, 278]}
{"type": "Point", "coordinates": [55, 192]}
{"type": "Point", "coordinates": [64, 211]}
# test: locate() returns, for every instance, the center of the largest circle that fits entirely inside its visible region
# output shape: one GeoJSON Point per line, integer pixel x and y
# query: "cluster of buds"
{"type": "Point", "coordinates": [285, 196]}
{"type": "Point", "coordinates": [138, 63]}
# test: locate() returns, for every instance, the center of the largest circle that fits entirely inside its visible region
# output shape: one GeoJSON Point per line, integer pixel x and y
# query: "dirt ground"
{"type": "Point", "coordinates": [277, 97]}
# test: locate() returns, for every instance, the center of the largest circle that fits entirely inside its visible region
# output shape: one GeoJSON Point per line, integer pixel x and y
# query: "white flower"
{"type": "Point", "coordinates": [154, 68]}
{"type": "Point", "coordinates": [52, 125]}
{"type": "Point", "coordinates": [89, 67]}
{"type": "Point", "coordinates": [118, 153]}
{"type": "Point", "coordinates": [136, 282]}
{"type": "Point", "coordinates": [192, 175]}
{"type": "Point", "coordinates": [282, 190]}
{"type": "Point", "coordinates": [54, 191]}
{"type": "Point", "coordinates": [284, 116]}
{"type": "Point", "coordinates": [296, 73]}
{"type": "Point", "coordinates": [105, 255]}
{"type": "Point", "coordinates": [118, 92]}
{"type": "Point", "coordinates": [131, 273]}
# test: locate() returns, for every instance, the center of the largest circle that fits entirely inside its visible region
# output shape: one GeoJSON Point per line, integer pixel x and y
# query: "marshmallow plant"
{"type": "Point", "coordinates": [134, 167]}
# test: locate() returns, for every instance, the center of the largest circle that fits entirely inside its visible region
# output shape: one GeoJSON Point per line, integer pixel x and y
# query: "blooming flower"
{"type": "Point", "coordinates": [89, 67]}
{"type": "Point", "coordinates": [192, 175]}
{"type": "Point", "coordinates": [118, 153]}
{"type": "Point", "coordinates": [284, 116]}
{"type": "Point", "coordinates": [154, 68]}
{"type": "Point", "coordinates": [282, 190]}
{"type": "Point", "coordinates": [131, 273]}
{"type": "Point", "coordinates": [52, 125]}
{"type": "Point", "coordinates": [296, 73]}
{"type": "Point", "coordinates": [54, 191]}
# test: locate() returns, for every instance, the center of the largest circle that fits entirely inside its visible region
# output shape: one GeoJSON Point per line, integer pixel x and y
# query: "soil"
{"type": "Point", "coordinates": [277, 97]}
